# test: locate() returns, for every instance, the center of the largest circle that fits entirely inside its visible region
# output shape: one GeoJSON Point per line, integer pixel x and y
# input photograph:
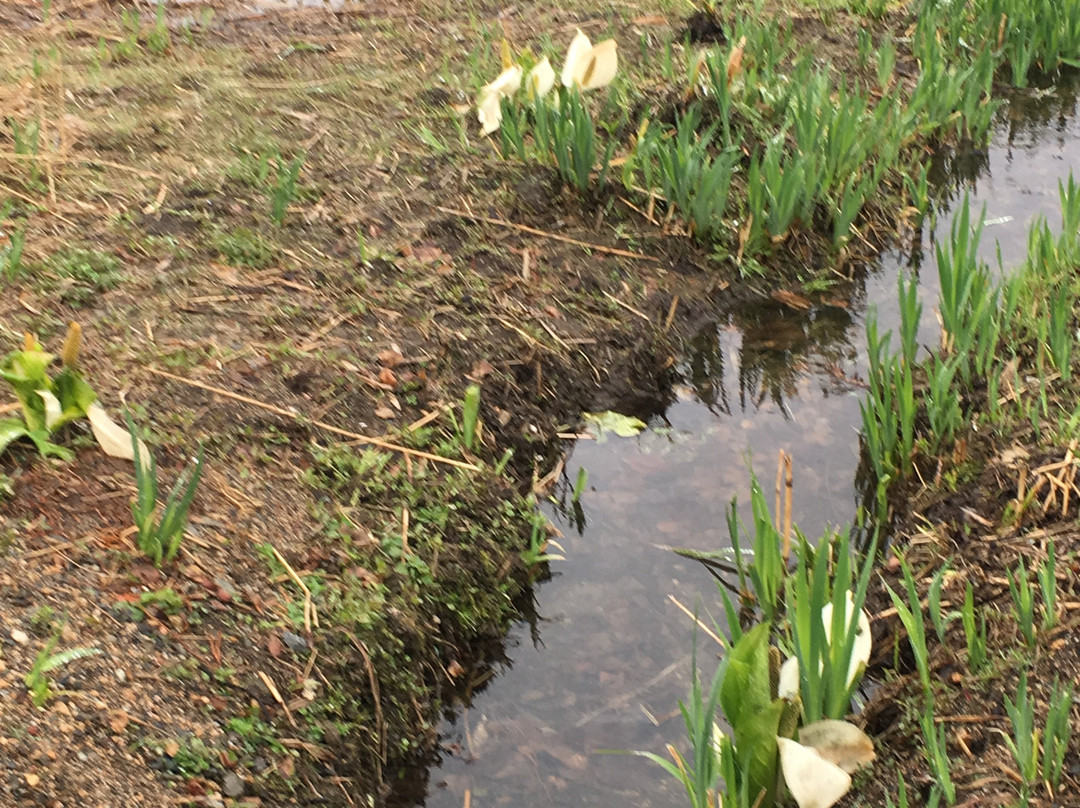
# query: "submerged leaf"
{"type": "Point", "coordinates": [624, 426]}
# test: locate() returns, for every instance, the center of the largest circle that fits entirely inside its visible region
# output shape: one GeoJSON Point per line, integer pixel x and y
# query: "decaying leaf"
{"type": "Point", "coordinates": [734, 62]}
{"type": "Point", "coordinates": [839, 742]}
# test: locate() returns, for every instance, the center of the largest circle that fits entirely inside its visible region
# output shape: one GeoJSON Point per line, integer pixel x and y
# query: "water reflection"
{"type": "Point", "coordinates": [770, 348]}
{"type": "Point", "coordinates": [613, 656]}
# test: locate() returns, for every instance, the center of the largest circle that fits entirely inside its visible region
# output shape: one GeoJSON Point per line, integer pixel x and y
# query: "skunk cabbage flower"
{"type": "Point", "coordinates": [53, 409]}
{"type": "Point", "coordinates": [590, 66]}
{"type": "Point", "coordinates": [788, 687]}
{"type": "Point", "coordinates": [813, 781]}
{"type": "Point", "coordinates": [860, 651]}
{"type": "Point", "coordinates": [113, 439]}
{"type": "Point", "coordinates": [488, 110]}
{"type": "Point", "coordinates": [540, 79]}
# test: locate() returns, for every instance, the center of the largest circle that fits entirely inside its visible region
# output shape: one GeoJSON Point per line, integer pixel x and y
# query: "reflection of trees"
{"type": "Point", "coordinates": [775, 347]}
{"type": "Point", "coordinates": [1036, 114]}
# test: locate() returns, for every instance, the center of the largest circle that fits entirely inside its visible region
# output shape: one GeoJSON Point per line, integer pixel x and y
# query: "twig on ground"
{"type": "Point", "coordinates": [356, 436]}
{"type": "Point", "coordinates": [536, 232]}
{"type": "Point", "coordinates": [311, 617]}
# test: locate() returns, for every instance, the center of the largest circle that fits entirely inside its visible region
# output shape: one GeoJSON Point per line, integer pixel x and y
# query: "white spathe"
{"type": "Point", "coordinates": [590, 66]}
{"type": "Point", "coordinates": [813, 781]}
{"type": "Point", "coordinates": [860, 651]}
{"type": "Point", "coordinates": [488, 110]}
{"type": "Point", "coordinates": [540, 79]}
{"type": "Point", "coordinates": [53, 410]}
{"type": "Point", "coordinates": [113, 439]}
{"type": "Point", "coordinates": [788, 687]}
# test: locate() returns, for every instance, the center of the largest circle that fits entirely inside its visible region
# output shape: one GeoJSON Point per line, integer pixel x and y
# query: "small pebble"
{"type": "Point", "coordinates": [20, 636]}
{"type": "Point", "coordinates": [121, 676]}
{"type": "Point", "coordinates": [233, 785]}
{"type": "Point", "coordinates": [296, 643]}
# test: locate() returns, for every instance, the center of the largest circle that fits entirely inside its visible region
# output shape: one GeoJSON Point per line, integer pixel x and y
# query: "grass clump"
{"type": "Point", "coordinates": [243, 247]}
{"type": "Point", "coordinates": [80, 274]}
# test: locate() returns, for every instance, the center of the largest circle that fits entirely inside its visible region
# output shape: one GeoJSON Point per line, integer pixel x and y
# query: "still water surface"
{"type": "Point", "coordinates": [613, 654]}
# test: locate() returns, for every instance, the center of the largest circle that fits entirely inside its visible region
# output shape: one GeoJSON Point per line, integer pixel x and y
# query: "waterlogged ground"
{"type": "Point", "coordinates": [370, 308]}
{"type": "Point", "coordinates": [610, 657]}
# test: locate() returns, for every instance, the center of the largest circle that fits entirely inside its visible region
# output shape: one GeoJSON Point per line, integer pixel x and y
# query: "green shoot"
{"type": "Point", "coordinates": [1047, 573]}
{"type": "Point", "coordinates": [1056, 735]}
{"type": "Point", "coordinates": [470, 416]}
{"type": "Point", "coordinates": [160, 539]}
{"type": "Point", "coordinates": [912, 618]}
{"type": "Point", "coordinates": [1023, 598]}
{"type": "Point", "coordinates": [975, 635]}
{"type": "Point", "coordinates": [937, 754]}
{"type": "Point", "coordinates": [284, 189]}
{"type": "Point", "coordinates": [37, 682]}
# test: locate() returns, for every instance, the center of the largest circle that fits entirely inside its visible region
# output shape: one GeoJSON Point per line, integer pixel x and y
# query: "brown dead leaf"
{"type": "Point", "coordinates": [286, 768]}
{"type": "Point", "coordinates": [387, 377]}
{"type": "Point", "coordinates": [384, 412]}
{"type": "Point", "coordinates": [390, 358]}
{"type": "Point", "coordinates": [480, 370]}
{"type": "Point", "coordinates": [553, 312]}
{"type": "Point", "coordinates": [791, 300]}
{"type": "Point", "coordinates": [734, 62]}
{"type": "Point", "coordinates": [273, 646]}
{"type": "Point", "coordinates": [118, 721]}
{"type": "Point", "coordinates": [1014, 455]}
{"type": "Point", "coordinates": [428, 254]}
{"type": "Point", "coordinates": [171, 748]}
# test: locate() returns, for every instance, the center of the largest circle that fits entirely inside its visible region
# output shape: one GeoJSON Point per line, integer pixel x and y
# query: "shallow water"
{"type": "Point", "coordinates": [613, 656]}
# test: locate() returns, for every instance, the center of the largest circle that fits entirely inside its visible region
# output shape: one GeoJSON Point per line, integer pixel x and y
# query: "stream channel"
{"type": "Point", "coordinates": [610, 656]}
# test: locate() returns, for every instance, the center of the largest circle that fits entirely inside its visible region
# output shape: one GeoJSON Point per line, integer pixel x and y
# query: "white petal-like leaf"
{"type": "Point", "coordinates": [488, 110]}
{"type": "Point", "coordinates": [507, 82]}
{"type": "Point", "coordinates": [590, 66]}
{"type": "Point", "coordinates": [602, 66]}
{"type": "Point", "coordinates": [812, 780]}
